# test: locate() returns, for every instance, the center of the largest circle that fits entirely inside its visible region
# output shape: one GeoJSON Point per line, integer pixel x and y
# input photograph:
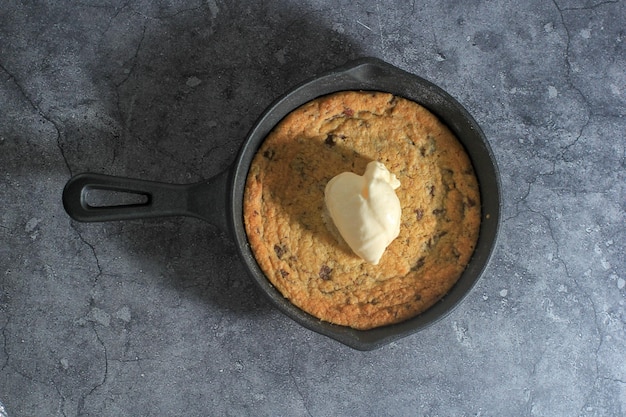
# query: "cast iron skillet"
{"type": "Point", "coordinates": [220, 199]}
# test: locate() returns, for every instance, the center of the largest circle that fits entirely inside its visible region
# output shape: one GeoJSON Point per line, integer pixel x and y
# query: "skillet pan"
{"type": "Point", "coordinates": [219, 200]}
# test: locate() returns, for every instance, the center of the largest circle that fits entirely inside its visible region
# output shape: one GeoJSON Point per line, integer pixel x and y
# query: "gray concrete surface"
{"type": "Point", "coordinates": [158, 317]}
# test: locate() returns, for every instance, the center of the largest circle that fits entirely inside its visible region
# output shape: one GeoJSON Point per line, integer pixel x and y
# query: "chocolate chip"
{"type": "Point", "coordinates": [471, 202]}
{"type": "Point", "coordinates": [348, 112]}
{"type": "Point", "coordinates": [284, 273]}
{"type": "Point", "coordinates": [280, 251]}
{"type": "Point", "coordinates": [419, 214]}
{"type": "Point", "coordinates": [434, 239]}
{"type": "Point", "coordinates": [269, 154]}
{"type": "Point", "coordinates": [330, 140]}
{"type": "Point", "coordinates": [429, 148]}
{"type": "Point", "coordinates": [325, 272]}
{"type": "Point", "coordinates": [432, 191]}
{"type": "Point", "coordinates": [420, 263]}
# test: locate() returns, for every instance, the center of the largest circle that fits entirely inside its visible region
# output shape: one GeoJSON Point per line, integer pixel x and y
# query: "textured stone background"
{"type": "Point", "coordinates": [158, 317]}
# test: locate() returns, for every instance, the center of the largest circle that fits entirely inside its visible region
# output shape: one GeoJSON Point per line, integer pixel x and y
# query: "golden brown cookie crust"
{"type": "Point", "coordinates": [298, 251]}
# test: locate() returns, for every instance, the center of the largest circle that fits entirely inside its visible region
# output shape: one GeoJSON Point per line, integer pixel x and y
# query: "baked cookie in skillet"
{"type": "Point", "coordinates": [294, 241]}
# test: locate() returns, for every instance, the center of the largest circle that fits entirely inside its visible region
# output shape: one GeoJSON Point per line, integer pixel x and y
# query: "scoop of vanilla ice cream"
{"type": "Point", "coordinates": [365, 209]}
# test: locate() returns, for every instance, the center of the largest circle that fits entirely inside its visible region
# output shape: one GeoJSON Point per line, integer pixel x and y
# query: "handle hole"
{"type": "Point", "coordinates": [96, 197]}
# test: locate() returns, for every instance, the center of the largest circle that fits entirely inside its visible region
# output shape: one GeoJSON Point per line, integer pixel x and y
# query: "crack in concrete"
{"type": "Point", "coordinates": [521, 200]}
{"type": "Point", "coordinates": [579, 134]}
{"type": "Point", "coordinates": [295, 382]}
{"type": "Point", "coordinates": [127, 119]}
{"type": "Point", "coordinates": [46, 383]}
{"type": "Point", "coordinates": [530, 401]}
{"type": "Point", "coordinates": [598, 376]}
{"type": "Point", "coordinates": [574, 279]}
{"type": "Point", "coordinates": [126, 123]}
{"type": "Point", "coordinates": [586, 104]}
{"type": "Point", "coordinates": [105, 374]}
{"type": "Point", "coordinates": [117, 12]}
{"type": "Point", "coordinates": [29, 377]}
{"type": "Point", "coordinates": [592, 7]}
{"type": "Point", "coordinates": [61, 401]}
{"type": "Point", "coordinates": [616, 380]}
{"type": "Point", "coordinates": [169, 16]}
{"type": "Point", "coordinates": [557, 255]}
{"type": "Point", "coordinates": [5, 344]}
{"type": "Point", "coordinates": [289, 373]}
{"type": "Point", "coordinates": [134, 60]}
{"type": "Point", "coordinates": [41, 113]}
{"type": "Point", "coordinates": [93, 251]}
{"type": "Point", "coordinates": [584, 293]}
{"type": "Point", "coordinates": [568, 69]}
{"type": "Point", "coordinates": [567, 53]}
{"type": "Point", "coordinates": [59, 144]}
{"type": "Point", "coordinates": [596, 387]}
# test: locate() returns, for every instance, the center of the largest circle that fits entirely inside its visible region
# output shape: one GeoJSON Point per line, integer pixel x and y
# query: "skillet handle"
{"type": "Point", "coordinates": [205, 200]}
